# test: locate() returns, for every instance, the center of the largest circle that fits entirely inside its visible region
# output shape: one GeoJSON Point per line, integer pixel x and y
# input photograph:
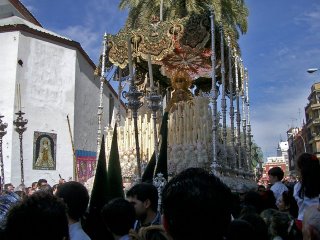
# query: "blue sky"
{"type": "Point", "coordinates": [282, 42]}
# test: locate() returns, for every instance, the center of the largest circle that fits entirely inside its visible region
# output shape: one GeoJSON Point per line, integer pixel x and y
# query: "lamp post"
{"type": "Point", "coordinates": [312, 70]}
{"type": "Point", "coordinates": [3, 132]}
{"type": "Point", "coordinates": [20, 129]}
{"type": "Point", "coordinates": [133, 96]}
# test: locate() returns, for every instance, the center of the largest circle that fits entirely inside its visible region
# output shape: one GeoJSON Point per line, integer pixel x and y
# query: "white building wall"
{"type": "Point", "coordinates": [86, 107]}
{"type": "Point", "coordinates": [8, 64]}
{"type": "Point", "coordinates": [47, 80]}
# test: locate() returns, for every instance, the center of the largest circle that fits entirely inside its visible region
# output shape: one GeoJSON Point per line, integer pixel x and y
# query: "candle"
{"type": "Point", "coordinates": [130, 59]}
{"type": "Point", "coordinates": [150, 72]}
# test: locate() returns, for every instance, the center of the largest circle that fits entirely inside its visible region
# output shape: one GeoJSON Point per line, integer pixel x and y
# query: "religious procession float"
{"type": "Point", "coordinates": [179, 69]}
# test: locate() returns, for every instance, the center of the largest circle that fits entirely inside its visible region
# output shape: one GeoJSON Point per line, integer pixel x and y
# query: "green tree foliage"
{"type": "Point", "coordinates": [232, 14]}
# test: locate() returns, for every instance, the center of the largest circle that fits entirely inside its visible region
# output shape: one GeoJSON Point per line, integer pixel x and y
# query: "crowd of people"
{"type": "Point", "coordinates": [195, 204]}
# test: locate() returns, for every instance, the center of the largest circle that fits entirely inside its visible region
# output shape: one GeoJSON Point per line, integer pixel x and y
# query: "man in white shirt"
{"type": "Point", "coordinates": [275, 176]}
{"type": "Point", "coordinates": [76, 197]}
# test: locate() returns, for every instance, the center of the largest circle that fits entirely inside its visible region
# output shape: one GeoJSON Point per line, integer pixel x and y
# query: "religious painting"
{"type": "Point", "coordinates": [86, 164]}
{"type": "Point", "coordinates": [44, 151]}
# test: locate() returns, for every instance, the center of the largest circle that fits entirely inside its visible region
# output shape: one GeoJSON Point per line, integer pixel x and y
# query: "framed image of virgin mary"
{"type": "Point", "coordinates": [44, 151]}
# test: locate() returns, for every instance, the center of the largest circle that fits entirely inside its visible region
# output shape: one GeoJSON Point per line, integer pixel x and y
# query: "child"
{"type": "Point", "coordinates": [275, 176]}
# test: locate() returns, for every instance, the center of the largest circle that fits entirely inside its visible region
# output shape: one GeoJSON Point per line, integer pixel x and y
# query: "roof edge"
{"type": "Point", "coordinates": [77, 45]}
{"type": "Point", "coordinates": [25, 12]}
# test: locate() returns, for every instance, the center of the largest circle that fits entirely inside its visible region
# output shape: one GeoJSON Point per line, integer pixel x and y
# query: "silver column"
{"type": "Point", "coordinates": [214, 165]}
{"type": "Point", "coordinates": [100, 107]}
{"type": "Point", "coordinates": [232, 164]}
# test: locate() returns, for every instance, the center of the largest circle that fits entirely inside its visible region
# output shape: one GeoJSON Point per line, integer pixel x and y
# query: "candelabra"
{"type": "Point", "coordinates": [3, 132]}
{"type": "Point", "coordinates": [238, 117]}
{"type": "Point", "coordinates": [154, 104]}
{"type": "Point", "coordinates": [159, 182]}
{"type": "Point", "coordinates": [215, 167]}
{"type": "Point", "coordinates": [133, 96]}
{"type": "Point", "coordinates": [232, 164]}
{"type": "Point", "coordinates": [20, 124]}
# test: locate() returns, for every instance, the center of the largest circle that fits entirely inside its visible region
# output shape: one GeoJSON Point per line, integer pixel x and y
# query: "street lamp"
{"type": "Point", "coordinates": [312, 70]}
{"type": "Point", "coordinates": [20, 125]}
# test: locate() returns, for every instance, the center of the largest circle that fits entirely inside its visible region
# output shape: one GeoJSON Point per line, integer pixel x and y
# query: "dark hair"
{"type": "Point", "coordinates": [254, 200]}
{"type": "Point", "coordinates": [75, 196]}
{"type": "Point", "coordinates": [55, 187]}
{"type": "Point", "coordinates": [119, 216]}
{"type": "Point", "coordinates": [153, 232]}
{"type": "Point", "coordinates": [144, 191]}
{"type": "Point", "coordinates": [241, 229]}
{"type": "Point", "coordinates": [45, 188]}
{"type": "Point", "coordinates": [288, 199]}
{"type": "Point", "coordinates": [309, 167]}
{"type": "Point", "coordinates": [41, 180]}
{"type": "Point", "coordinates": [259, 225]}
{"type": "Point", "coordinates": [279, 225]}
{"type": "Point", "coordinates": [196, 205]}
{"type": "Point", "coordinates": [6, 186]}
{"type": "Point", "coordinates": [268, 200]}
{"type": "Point", "coordinates": [43, 210]}
{"type": "Point", "coordinates": [276, 172]}
{"type": "Point", "coordinates": [34, 184]}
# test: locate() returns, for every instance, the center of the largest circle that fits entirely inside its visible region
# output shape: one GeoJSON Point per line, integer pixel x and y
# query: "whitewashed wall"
{"type": "Point", "coordinates": [8, 65]}
{"type": "Point", "coordinates": [47, 80]}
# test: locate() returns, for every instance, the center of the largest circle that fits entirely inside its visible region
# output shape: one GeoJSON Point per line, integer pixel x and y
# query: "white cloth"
{"type": "Point", "coordinates": [76, 232]}
{"type": "Point", "coordinates": [303, 203]}
{"type": "Point", "coordinates": [278, 188]}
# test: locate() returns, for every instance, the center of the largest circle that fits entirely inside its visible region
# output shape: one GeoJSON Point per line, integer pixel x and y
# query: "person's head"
{"type": "Point", "coordinates": [119, 216]}
{"type": "Point", "coordinates": [76, 197]}
{"type": "Point", "coordinates": [288, 204]}
{"type": "Point", "coordinates": [29, 191]}
{"type": "Point", "coordinates": [267, 215]}
{"type": "Point", "coordinates": [280, 225]}
{"type": "Point", "coordinates": [259, 225]}
{"type": "Point", "coordinates": [144, 198]}
{"type": "Point", "coordinates": [154, 232]}
{"type": "Point", "coordinates": [275, 174]}
{"type": "Point", "coordinates": [62, 180]}
{"type": "Point", "coordinates": [42, 210]}
{"type": "Point", "coordinates": [42, 182]}
{"type": "Point", "coordinates": [308, 168]}
{"type": "Point", "coordinates": [8, 187]}
{"type": "Point", "coordinates": [240, 229]}
{"type": "Point", "coordinates": [34, 185]}
{"type": "Point", "coordinates": [268, 199]}
{"type": "Point", "coordinates": [311, 223]}
{"type": "Point", "coordinates": [45, 188]}
{"type": "Point", "coordinates": [261, 189]}
{"type": "Point", "coordinates": [254, 199]}
{"type": "Point", "coordinates": [195, 205]}
{"type": "Point", "coordinates": [242, 190]}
